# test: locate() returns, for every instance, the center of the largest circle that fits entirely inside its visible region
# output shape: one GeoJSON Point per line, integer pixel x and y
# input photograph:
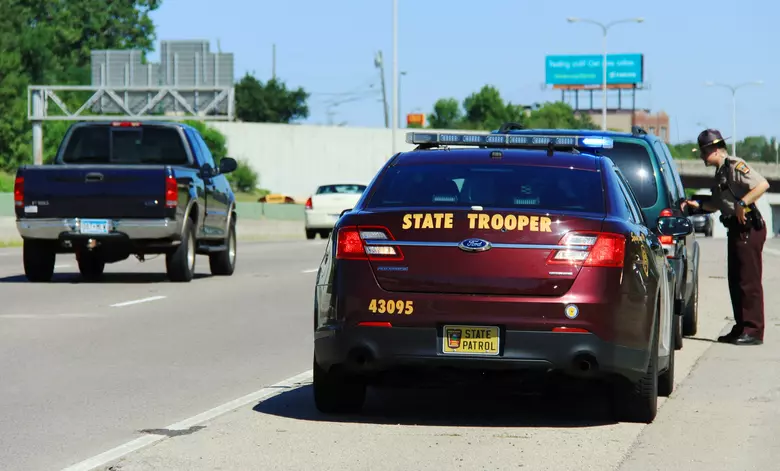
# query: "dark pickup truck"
{"type": "Point", "coordinates": [117, 189]}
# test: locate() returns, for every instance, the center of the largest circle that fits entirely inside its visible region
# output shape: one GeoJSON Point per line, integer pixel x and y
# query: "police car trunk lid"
{"type": "Point", "coordinates": [472, 251]}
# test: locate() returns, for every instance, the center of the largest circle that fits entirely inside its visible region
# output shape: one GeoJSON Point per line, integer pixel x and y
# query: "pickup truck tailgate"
{"type": "Point", "coordinates": [95, 191]}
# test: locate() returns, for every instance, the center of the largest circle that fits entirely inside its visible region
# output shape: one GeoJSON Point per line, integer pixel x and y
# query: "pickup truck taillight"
{"type": "Point", "coordinates": [308, 203]}
{"type": "Point", "coordinates": [171, 192]}
{"type": "Point", "coordinates": [19, 191]}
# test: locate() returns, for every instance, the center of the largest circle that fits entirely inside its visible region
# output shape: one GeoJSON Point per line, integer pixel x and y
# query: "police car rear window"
{"type": "Point", "coordinates": [490, 186]}
{"type": "Point", "coordinates": [634, 161]}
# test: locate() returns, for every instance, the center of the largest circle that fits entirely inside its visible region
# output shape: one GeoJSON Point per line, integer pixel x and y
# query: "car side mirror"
{"type": "Point", "coordinates": [227, 165]}
{"type": "Point", "coordinates": [675, 226]}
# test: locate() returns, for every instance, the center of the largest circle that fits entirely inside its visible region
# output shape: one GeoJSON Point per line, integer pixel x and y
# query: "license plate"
{"type": "Point", "coordinates": [470, 340]}
{"type": "Point", "coordinates": [94, 226]}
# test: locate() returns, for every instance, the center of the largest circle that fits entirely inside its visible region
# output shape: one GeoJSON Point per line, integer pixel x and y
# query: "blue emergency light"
{"type": "Point", "coordinates": [505, 140]}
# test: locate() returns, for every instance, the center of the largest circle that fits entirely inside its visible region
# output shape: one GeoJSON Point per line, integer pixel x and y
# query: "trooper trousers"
{"type": "Point", "coordinates": [745, 270]}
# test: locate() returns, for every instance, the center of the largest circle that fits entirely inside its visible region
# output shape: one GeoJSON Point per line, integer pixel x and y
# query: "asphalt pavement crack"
{"type": "Point", "coordinates": [173, 433]}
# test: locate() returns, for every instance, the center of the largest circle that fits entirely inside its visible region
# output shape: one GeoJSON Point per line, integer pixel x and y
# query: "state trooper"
{"type": "Point", "coordinates": [737, 188]}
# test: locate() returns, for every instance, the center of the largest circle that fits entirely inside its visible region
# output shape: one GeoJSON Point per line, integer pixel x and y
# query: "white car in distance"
{"type": "Point", "coordinates": [327, 203]}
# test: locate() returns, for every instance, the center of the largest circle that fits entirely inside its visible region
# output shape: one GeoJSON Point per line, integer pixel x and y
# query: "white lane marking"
{"type": "Point", "coordinates": [62, 266]}
{"type": "Point", "coordinates": [310, 270]}
{"type": "Point", "coordinates": [138, 301]}
{"type": "Point", "coordinates": [772, 251]}
{"type": "Point", "coordinates": [50, 316]}
{"type": "Point", "coordinates": [141, 442]}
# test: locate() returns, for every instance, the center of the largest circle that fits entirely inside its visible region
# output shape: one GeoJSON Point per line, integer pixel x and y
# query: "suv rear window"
{"type": "Point", "coordinates": [340, 189]}
{"type": "Point", "coordinates": [490, 186]}
{"type": "Point", "coordinates": [104, 144]}
{"type": "Point", "coordinates": [634, 161]}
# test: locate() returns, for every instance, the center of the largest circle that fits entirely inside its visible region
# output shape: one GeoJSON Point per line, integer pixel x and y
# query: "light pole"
{"type": "Point", "coordinates": [733, 89]}
{"type": "Point", "coordinates": [395, 71]}
{"type": "Point", "coordinates": [400, 103]}
{"type": "Point", "coordinates": [604, 29]}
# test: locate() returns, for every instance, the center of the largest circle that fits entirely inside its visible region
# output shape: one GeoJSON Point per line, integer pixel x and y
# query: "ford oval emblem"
{"type": "Point", "coordinates": [474, 245]}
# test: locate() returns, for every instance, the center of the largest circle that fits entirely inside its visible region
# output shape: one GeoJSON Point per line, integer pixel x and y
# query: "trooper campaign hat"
{"type": "Point", "coordinates": [710, 137]}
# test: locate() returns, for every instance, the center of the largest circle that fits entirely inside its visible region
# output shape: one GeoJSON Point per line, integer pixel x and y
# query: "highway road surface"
{"type": "Point", "coordinates": [136, 373]}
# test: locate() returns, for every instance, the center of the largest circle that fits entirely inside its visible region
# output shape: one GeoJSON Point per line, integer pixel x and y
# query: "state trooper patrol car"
{"type": "Point", "coordinates": [488, 252]}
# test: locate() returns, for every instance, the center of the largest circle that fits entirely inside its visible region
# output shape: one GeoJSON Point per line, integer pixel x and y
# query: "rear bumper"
{"type": "Point", "coordinates": [369, 350]}
{"type": "Point", "coordinates": [320, 220]}
{"type": "Point", "coordinates": [54, 229]}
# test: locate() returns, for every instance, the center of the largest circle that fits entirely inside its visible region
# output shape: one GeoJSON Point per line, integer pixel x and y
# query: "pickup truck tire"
{"type": "Point", "coordinates": [180, 263]}
{"type": "Point", "coordinates": [224, 263]}
{"type": "Point", "coordinates": [38, 258]}
{"type": "Point", "coordinates": [91, 266]}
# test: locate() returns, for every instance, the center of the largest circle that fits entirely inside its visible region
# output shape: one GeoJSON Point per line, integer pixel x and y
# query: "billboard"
{"type": "Point", "coordinates": [622, 69]}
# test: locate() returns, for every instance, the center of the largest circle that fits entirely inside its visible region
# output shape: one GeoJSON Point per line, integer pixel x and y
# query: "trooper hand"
{"type": "Point", "coordinates": [740, 212]}
{"type": "Point", "coordinates": [692, 203]}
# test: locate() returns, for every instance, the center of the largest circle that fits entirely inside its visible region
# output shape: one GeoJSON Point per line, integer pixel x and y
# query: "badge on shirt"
{"type": "Point", "coordinates": [742, 168]}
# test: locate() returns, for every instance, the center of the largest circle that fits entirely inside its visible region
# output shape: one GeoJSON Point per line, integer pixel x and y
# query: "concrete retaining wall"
{"type": "Point", "coordinates": [252, 211]}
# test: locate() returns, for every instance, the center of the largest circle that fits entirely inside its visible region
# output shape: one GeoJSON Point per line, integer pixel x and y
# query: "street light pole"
{"type": "Point", "coordinates": [604, 29]}
{"type": "Point", "coordinates": [395, 72]}
{"type": "Point", "coordinates": [733, 89]}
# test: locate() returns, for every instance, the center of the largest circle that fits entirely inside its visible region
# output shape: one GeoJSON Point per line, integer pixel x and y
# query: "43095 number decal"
{"type": "Point", "coordinates": [390, 306]}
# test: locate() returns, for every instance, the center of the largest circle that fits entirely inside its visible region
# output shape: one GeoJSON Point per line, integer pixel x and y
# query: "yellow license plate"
{"type": "Point", "coordinates": [471, 340]}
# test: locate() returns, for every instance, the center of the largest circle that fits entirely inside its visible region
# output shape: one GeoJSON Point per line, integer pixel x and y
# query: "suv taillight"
{"type": "Point", "coordinates": [667, 241]}
{"type": "Point", "coordinates": [19, 191]}
{"type": "Point", "coordinates": [308, 203]}
{"type": "Point", "coordinates": [592, 249]}
{"type": "Point", "coordinates": [366, 243]}
{"type": "Point", "coordinates": [171, 192]}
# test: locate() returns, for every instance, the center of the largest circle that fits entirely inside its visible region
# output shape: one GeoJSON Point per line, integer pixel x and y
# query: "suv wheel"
{"type": "Point", "coordinates": [335, 392]}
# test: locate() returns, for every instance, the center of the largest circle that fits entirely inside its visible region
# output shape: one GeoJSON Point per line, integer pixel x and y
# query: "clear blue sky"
{"type": "Point", "coordinates": [451, 48]}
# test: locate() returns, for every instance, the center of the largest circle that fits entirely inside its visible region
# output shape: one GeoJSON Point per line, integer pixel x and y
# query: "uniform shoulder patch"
{"type": "Point", "coordinates": [742, 168]}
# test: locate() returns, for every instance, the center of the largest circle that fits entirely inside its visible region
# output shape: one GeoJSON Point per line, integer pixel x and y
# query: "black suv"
{"type": "Point", "coordinates": [648, 165]}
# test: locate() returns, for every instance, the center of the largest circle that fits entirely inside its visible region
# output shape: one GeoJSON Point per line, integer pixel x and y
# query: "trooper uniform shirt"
{"type": "Point", "coordinates": [734, 178]}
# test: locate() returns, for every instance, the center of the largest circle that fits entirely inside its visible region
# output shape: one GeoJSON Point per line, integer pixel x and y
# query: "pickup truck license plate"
{"type": "Point", "coordinates": [471, 340]}
{"type": "Point", "coordinates": [94, 226]}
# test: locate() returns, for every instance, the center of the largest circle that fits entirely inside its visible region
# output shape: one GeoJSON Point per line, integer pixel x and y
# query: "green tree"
{"type": "Point", "coordinates": [446, 114]}
{"type": "Point", "coordinates": [49, 42]}
{"type": "Point", "coordinates": [486, 110]}
{"type": "Point", "coordinates": [271, 102]}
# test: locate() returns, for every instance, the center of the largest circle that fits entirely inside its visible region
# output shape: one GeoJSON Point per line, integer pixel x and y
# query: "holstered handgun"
{"type": "Point", "coordinates": [754, 218]}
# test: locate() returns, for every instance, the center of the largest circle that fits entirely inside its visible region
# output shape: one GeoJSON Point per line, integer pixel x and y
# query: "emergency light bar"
{"type": "Point", "coordinates": [432, 139]}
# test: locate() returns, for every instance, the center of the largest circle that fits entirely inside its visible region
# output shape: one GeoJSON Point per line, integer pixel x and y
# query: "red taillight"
{"type": "Point", "coordinates": [367, 243]}
{"type": "Point", "coordinates": [375, 324]}
{"type": "Point", "coordinates": [171, 192]}
{"type": "Point", "coordinates": [666, 213]}
{"type": "Point", "coordinates": [570, 330]}
{"type": "Point", "coordinates": [19, 191]}
{"type": "Point", "coordinates": [667, 240]}
{"type": "Point", "coordinates": [125, 124]}
{"type": "Point", "coordinates": [308, 203]}
{"type": "Point", "coordinates": [601, 249]}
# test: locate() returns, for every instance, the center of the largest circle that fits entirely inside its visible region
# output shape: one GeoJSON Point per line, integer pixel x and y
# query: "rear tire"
{"type": "Point", "coordinates": [224, 263]}
{"type": "Point", "coordinates": [666, 379]}
{"type": "Point", "coordinates": [678, 336]}
{"type": "Point", "coordinates": [38, 258]}
{"type": "Point", "coordinates": [638, 402]}
{"type": "Point", "coordinates": [691, 312]}
{"type": "Point", "coordinates": [336, 393]}
{"type": "Point", "coordinates": [91, 266]}
{"type": "Point", "coordinates": [311, 234]}
{"type": "Point", "coordinates": [180, 264]}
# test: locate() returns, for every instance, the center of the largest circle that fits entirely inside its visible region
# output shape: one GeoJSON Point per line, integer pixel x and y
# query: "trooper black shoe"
{"type": "Point", "coordinates": [728, 338]}
{"type": "Point", "coordinates": [746, 339]}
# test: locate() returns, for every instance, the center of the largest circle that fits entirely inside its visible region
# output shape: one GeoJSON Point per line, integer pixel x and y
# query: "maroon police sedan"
{"type": "Point", "coordinates": [496, 252]}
